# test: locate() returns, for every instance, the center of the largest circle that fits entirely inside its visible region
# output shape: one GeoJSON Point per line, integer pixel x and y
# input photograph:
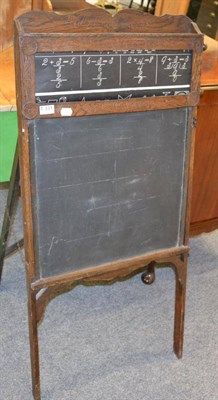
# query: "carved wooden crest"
{"type": "Point", "coordinates": [97, 20]}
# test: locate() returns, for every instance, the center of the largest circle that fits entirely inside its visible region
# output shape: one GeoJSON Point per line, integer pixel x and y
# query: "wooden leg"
{"type": "Point", "coordinates": [179, 264]}
{"type": "Point", "coordinates": [181, 274]}
{"type": "Point", "coordinates": [9, 210]}
{"type": "Point", "coordinates": [34, 347]}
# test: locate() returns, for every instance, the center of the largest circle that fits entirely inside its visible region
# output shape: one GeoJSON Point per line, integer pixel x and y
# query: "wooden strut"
{"type": "Point", "coordinates": [39, 299]}
{"type": "Point", "coordinates": [34, 344]}
{"type": "Point", "coordinates": [13, 194]}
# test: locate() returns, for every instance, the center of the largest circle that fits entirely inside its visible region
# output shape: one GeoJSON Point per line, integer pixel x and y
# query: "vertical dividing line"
{"type": "Point", "coordinates": [156, 70]}
{"type": "Point", "coordinates": [120, 74]}
{"type": "Point", "coordinates": [81, 72]}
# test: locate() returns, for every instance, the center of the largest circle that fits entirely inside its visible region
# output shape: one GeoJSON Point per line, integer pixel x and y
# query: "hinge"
{"type": "Point", "coordinates": [194, 122]}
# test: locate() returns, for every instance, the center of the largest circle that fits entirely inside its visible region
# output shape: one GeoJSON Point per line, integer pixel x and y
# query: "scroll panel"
{"type": "Point", "coordinates": [106, 75]}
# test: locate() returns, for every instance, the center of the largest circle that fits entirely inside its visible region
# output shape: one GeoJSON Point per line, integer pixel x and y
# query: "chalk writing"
{"type": "Point", "coordinates": [175, 65]}
{"type": "Point", "coordinates": [123, 74]}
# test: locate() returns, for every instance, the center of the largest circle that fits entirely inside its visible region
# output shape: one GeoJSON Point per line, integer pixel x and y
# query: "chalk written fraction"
{"type": "Point", "coordinates": [81, 76]}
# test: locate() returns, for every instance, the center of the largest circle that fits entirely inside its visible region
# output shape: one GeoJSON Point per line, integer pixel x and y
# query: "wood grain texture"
{"type": "Point", "coordinates": [209, 76]}
{"type": "Point", "coordinates": [189, 171]}
{"type": "Point", "coordinates": [106, 275]}
{"type": "Point", "coordinates": [171, 7]}
{"type": "Point", "coordinates": [205, 178]}
{"type": "Point", "coordinates": [27, 227]}
{"type": "Point", "coordinates": [7, 76]}
{"type": "Point", "coordinates": [111, 271]}
{"type": "Point", "coordinates": [24, 171]}
{"type": "Point", "coordinates": [30, 110]}
{"type": "Point", "coordinates": [180, 267]}
{"type": "Point", "coordinates": [98, 20]}
{"type": "Point", "coordinates": [84, 41]}
{"type": "Point", "coordinates": [206, 226]}
{"type": "Point", "coordinates": [8, 10]}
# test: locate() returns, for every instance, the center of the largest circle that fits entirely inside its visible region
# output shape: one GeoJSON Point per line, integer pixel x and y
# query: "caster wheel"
{"type": "Point", "coordinates": [148, 277]}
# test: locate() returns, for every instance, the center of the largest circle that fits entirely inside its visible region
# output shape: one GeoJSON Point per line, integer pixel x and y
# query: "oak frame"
{"type": "Point", "coordinates": [85, 31]}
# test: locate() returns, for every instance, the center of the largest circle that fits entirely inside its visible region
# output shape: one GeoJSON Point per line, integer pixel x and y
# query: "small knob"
{"type": "Point", "coordinates": [209, 26]}
{"type": "Point", "coordinates": [204, 46]}
{"type": "Point", "coordinates": [212, 14]}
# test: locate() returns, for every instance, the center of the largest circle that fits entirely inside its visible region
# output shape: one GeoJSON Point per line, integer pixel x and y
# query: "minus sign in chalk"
{"type": "Point", "coordinates": [66, 62]}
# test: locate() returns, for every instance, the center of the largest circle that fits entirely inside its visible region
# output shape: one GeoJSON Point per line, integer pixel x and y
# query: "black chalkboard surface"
{"type": "Point", "coordinates": [106, 187]}
{"type": "Point", "coordinates": [81, 76]}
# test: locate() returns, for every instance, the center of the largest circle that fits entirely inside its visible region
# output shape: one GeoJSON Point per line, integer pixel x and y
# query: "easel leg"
{"type": "Point", "coordinates": [179, 264]}
{"type": "Point", "coordinates": [11, 203]}
{"type": "Point", "coordinates": [34, 347]}
{"type": "Point", "coordinates": [181, 274]}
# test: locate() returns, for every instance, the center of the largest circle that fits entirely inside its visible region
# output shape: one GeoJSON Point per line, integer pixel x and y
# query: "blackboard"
{"type": "Point", "coordinates": [81, 76]}
{"type": "Point", "coordinates": [106, 177]}
{"type": "Point", "coordinates": [106, 187]}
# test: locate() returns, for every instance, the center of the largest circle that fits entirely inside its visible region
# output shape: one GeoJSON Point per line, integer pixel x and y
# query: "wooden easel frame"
{"type": "Point", "coordinates": [86, 31]}
{"type": "Point", "coordinates": [13, 193]}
